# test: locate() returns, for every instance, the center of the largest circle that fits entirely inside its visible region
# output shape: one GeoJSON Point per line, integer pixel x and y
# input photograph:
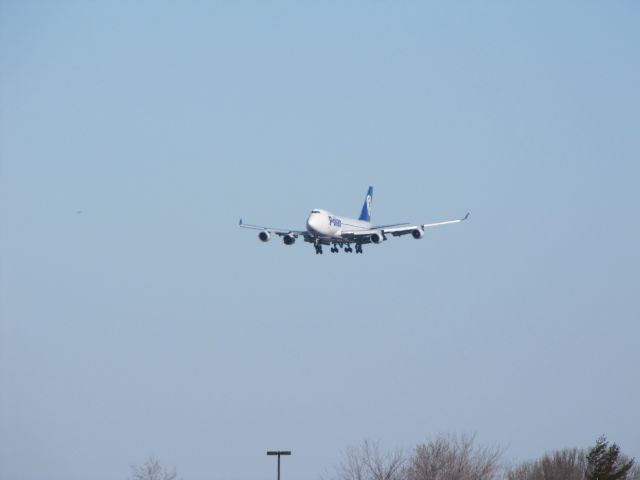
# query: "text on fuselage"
{"type": "Point", "coordinates": [335, 221]}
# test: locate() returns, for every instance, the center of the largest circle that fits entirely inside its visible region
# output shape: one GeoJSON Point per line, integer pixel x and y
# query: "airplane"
{"type": "Point", "coordinates": [326, 228]}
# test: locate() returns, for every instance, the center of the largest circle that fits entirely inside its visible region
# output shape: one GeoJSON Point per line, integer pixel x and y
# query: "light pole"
{"type": "Point", "coordinates": [278, 453]}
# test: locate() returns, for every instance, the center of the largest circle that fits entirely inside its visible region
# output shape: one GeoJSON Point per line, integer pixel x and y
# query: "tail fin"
{"type": "Point", "coordinates": [365, 215]}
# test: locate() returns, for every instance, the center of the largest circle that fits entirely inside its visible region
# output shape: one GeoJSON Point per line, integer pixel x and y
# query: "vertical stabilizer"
{"type": "Point", "coordinates": [365, 215]}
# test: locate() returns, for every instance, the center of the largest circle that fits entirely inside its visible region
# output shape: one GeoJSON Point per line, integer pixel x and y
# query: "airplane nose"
{"type": "Point", "coordinates": [312, 222]}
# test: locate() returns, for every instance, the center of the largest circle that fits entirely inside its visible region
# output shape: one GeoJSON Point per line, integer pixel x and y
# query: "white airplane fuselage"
{"type": "Point", "coordinates": [326, 224]}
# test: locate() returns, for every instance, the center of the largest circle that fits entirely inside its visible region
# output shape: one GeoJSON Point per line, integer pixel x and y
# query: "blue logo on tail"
{"type": "Point", "coordinates": [365, 215]}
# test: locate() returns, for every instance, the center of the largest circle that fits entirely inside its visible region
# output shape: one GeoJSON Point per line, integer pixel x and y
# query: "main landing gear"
{"type": "Point", "coordinates": [335, 248]}
{"type": "Point", "coordinates": [347, 248]}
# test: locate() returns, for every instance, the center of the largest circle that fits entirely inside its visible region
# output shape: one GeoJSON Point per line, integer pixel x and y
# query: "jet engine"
{"type": "Point", "coordinates": [289, 239]}
{"type": "Point", "coordinates": [264, 235]}
{"type": "Point", "coordinates": [418, 233]}
{"type": "Point", "coordinates": [377, 237]}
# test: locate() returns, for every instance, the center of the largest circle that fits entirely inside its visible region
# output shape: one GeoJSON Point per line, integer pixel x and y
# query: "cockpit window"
{"type": "Point", "coordinates": [315, 211]}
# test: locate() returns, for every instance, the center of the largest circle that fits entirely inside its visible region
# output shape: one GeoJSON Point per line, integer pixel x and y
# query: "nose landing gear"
{"type": "Point", "coordinates": [318, 249]}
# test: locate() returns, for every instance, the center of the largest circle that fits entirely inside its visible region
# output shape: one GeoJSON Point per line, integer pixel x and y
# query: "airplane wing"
{"type": "Point", "coordinates": [278, 231]}
{"type": "Point", "coordinates": [397, 230]}
{"type": "Point", "coordinates": [400, 230]}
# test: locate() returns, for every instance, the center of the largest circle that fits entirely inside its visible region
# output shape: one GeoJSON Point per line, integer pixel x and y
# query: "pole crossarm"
{"type": "Point", "coordinates": [279, 453]}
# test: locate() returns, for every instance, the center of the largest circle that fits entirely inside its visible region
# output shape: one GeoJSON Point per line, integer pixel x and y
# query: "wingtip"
{"type": "Point", "coordinates": [466, 216]}
{"type": "Point", "coordinates": [240, 223]}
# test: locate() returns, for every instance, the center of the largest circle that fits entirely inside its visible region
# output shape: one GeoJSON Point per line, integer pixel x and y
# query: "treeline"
{"type": "Point", "coordinates": [459, 458]}
{"type": "Point", "coordinates": [452, 457]}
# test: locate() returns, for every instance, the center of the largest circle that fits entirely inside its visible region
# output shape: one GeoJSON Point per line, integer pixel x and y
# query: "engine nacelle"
{"type": "Point", "coordinates": [289, 239]}
{"type": "Point", "coordinates": [418, 233]}
{"type": "Point", "coordinates": [264, 235]}
{"type": "Point", "coordinates": [377, 237]}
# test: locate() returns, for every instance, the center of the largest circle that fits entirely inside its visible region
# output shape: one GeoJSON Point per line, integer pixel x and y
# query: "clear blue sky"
{"type": "Point", "coordinates": [151, 324]}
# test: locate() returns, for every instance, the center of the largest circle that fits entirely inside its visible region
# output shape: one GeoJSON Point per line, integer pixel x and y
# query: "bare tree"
{"type": "Point", "coordinates": [566, 464]}
{"type": "Point", "coordinates": [366, 462]}
{"type": "Point", "coordinates": [151, 470]}
{"type": "Point", "coordinates": [574, 464]}
{"type": "Point", "coordinates": [453, 458]}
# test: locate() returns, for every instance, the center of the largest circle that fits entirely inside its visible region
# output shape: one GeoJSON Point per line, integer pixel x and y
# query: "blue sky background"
{"type": "Point", "coordinates": [151, 324]}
